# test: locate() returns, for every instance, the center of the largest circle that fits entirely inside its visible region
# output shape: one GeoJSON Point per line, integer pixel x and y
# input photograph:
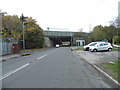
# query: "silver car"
{"type": "Point", "coordinates": [101, 46]}
{"type": "Point", "coordinates": [86, 47]}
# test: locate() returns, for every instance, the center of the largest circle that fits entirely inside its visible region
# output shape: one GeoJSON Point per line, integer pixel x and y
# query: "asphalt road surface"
{"type": "Point", "coordinates": [52, 68]}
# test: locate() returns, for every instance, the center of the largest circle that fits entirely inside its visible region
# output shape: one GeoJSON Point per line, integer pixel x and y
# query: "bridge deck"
{"type": "Point", "coordinates": [58, 33]}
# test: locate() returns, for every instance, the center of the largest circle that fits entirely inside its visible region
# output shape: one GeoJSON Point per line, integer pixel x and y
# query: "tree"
{"type": "Point", "coordinates": [110, 32]}
{"type": "Point", "coordinates": [34, 36]}
{"type": "Point", "coordinates": [116, 40]}
{"type": "Point", "coordinates": [12, 27]}
{"type": "Point", "coordinates": [101, 33]}
{"type": "Point", "coordinates": [115, 22]}
{"type": "Point", "coordinates": [98, 34]}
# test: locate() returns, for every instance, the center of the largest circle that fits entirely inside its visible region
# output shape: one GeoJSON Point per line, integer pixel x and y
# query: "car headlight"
{"type": "Point", "coordinates": [84, 46]}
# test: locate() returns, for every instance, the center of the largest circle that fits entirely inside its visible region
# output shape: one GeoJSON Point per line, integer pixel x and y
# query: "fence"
{"type": "Point", "coordinates": [8, 46]}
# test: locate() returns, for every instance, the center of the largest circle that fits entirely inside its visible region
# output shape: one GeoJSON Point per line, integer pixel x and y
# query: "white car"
{"type": "Point", "coordinates": [57, 45]}
{"type": "Point", "coordinates": [101, 46]}
{"type": "Point", "coordinates": [86, 47]}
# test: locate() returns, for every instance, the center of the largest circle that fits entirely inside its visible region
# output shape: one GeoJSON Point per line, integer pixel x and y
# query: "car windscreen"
{"type": "Point", "coordinates": [93, 44]}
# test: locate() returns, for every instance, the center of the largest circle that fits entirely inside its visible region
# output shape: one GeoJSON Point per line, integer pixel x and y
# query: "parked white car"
{"type": "Point", "coordinates": [86, 47]}
{"type": "Point", "coordinates": [100, 46]}
{"type": "Point", "coordinates": [57, 45]}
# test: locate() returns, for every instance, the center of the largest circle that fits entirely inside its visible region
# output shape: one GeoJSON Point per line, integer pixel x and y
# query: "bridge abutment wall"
{"type": "Point", "coordinates": [47, 42]}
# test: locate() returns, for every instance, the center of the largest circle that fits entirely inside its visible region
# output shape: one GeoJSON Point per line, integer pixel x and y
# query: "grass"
{"type": "Point", "coordinates": [116, 49]}
{"type": "Point", "coordinates": [29, 50]}
{"type": "Point", "coordinates": [113, 69]}
{"type": "Point", "coordinates": [79, 49]}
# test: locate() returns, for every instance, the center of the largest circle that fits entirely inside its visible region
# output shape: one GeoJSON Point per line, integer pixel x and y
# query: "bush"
{"type": "Point", "coordinates": [116, 40]}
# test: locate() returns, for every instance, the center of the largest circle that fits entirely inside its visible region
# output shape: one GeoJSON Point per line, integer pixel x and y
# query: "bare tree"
{"type": "Point", "coordinates": [115, 22]}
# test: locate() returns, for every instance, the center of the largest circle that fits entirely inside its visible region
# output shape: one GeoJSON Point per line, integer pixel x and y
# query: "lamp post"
{"type": "Point", "coordinates": [1, 14]}
{"type": "Point", "coordinates": [71, 38]}
{"type": "Point", "coordinates": [0, 20]}
{"type": "Point", "coordinates": [25, 21]}
{"type": "Point", "coordinates": [23, 25]}
{"type": "Point", "coordinates": [48, 28]}
{"type": "Point", "coordinates": [23, 36]}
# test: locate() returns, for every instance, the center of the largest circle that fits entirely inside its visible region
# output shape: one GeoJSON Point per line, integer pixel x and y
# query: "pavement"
{"type": "Point", "coordinates": [12, 56]}
{"type": "Point", "coordinates": [7, 57]}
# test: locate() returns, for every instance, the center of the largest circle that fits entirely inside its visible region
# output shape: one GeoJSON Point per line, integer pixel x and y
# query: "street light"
{"type": "Point", "coordinates": [23, 23]}
{"type": "Point", "coordinates": [1, 14]}
{"type": "Point", "coordinates": [0, 20]}
{"type": "Point", "coordinates": [71, 38]}
{"type": "Point", "coordinates": [48, 28]}
{"type": "Point", "coordinates": [23, 36]}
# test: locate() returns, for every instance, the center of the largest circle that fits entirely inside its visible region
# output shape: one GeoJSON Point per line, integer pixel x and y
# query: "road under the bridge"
{"type": "Point", "coordinates": [63, 41]}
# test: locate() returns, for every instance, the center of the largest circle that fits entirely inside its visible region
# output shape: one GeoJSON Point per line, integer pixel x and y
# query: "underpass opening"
{"type": "Point", "coordinates": [62, 41]}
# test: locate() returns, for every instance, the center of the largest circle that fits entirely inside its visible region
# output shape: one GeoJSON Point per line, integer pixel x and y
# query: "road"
{"type": "Point", "coordinates": [52, 68]}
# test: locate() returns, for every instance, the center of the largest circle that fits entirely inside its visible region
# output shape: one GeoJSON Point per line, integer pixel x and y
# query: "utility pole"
{"type": "Point", "coordinates": [1, 14]}
{"type": "Point", "coordinates": [119, 14]}
{"type": "Point", "coordinates": [23, 36]}
{"type": "Point", "coordinates": [22, 18]}
{"type": "Point", "coordinates": [48, 28]}
{"type": "Point", "coordinates": [1, 20]}
{"type": "Point", "coordinates": [90, 28]}
{"type": "Point", "coordinates": [71, 38]}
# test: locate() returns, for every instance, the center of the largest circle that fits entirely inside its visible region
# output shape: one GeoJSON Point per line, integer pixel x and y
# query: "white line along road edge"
{"type": "Point", "coordinates": [12, 72]}
{"type": "Point", "coordinates": [102, 71]}
{"type": "Point", "coordinates": [18, 69]}
{"type": "Point", "coordinates": [107, 75]}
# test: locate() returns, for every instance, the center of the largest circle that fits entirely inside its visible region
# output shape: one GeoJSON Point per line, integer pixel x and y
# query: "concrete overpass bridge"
{"type": "Point", "coordinates": [58, 33]}
{"type": "Point", "coordinates": [60, 37]}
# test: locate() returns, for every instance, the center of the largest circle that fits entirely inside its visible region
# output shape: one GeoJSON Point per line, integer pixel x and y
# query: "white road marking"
{"type": "Point", "coordinates": [42, 56]}
{"type": "Point", "coordinates": [18, 69]}
{"type": "Point", "coordinates": [14, 71]}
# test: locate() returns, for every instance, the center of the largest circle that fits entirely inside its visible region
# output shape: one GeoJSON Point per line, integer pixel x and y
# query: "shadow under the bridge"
{"type": "Point", "coordinates": [62, 41]}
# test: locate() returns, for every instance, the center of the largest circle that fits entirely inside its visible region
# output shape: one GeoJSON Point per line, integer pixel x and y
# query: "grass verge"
{"type": "Point", "coordinates": [79, 49]}
{"type": "Point", "coordinates": [30, 50]}
{"type": "Point", "coordinates": [112, 69]}
{"type": "Point", "coordinates": [116, 49]}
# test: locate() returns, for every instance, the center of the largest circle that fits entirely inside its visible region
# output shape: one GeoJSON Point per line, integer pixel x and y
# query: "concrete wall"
{"type": "Point", "coordinates": [47, 42]}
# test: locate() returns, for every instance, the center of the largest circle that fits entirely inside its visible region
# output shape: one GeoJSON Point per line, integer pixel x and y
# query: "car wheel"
{"type": "Point", "coordinates": [87, 49]}
{"type": "Point", "coordinates": [95, 50]}
{"type": "Point", "coordinates": [110, 49]}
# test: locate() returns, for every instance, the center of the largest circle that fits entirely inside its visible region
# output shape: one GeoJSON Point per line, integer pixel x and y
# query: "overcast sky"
{"type": "Point", "coordinates": [66, 14]}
